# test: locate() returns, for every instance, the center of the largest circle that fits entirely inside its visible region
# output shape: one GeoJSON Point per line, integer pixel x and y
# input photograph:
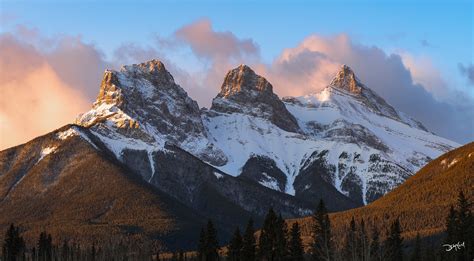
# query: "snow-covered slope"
{"type": "Point", "coordinates": [346, 141]}
{"type": "Point", "coordinates": [349, 138]}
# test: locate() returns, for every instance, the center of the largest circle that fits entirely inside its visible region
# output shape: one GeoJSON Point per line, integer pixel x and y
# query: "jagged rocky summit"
{"type": "Point", "coordinates": [145, 150]}
{"type": "Point", "coordinates": [345, 140]}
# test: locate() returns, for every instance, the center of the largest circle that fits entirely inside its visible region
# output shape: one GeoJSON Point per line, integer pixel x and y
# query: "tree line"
{"type": "Point", "coordinates": [275, 242]}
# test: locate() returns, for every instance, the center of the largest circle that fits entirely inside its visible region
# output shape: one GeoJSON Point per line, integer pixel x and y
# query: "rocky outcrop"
{"type": "Point", "coordinates": [145, 95]}
{"type": "Point", "coordinates": [141, 104]}
{"type": "Point", "coordinates": [204, 187]}
{"type": "Point", "coordinates": [315, 181]}
{"type": "Point", "coordinates": [264, 170]}
{"type": "Point", "coordinates": [345, 79]}
{"type": "Point", "coordinates": [243, 91]}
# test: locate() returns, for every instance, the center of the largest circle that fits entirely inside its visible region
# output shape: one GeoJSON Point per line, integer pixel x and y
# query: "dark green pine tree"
{"type": "Point", "coordinates": [281, 239]}
{"type": "Point", "coordinates": [363, 242]}
{"type": "Point", "coordinates": [212, 245]}
{"type": "Point", "coordinates": [464, 228]}
{"type": "Point", "coordinates": [296, 251]}
{"type": "Point", "coordinates": [267, 240]}
{"type": "Point", "coordinates": [350, 249]}
{"type": "Point", "coordinates": [43, 247]}
{"type": "Point", "coordinates": [451, 232]}
{"type": "Point", "coordinates": [201, 249]}
{"type": "Point", "coordinates": [394, 242]}
{"type": "Point", "coordinates": [375, 248]}
{"type": "Point", "coordinates": [416, 253]}
{"type": "Point", "coordinates": [158, 255]}
{"type": "Point", "coordinates": [93, 252]}
{"type": "Point", "coordinates": [235, 246]}
{"type": "Point", "coordinates": [322, 245]}
{"type": "Point", "coordinates": [65, 251]}
{"type": "Point", "coordinates": [33, 254]}
{"type": "Point", "coordinates": [248, 243]}
{"type": "Point", "coordinates": [14, 245]}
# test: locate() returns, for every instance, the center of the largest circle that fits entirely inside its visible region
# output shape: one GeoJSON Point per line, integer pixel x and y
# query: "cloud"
{"type": "Point", "coordinates": [467, 71]}
{"type": "Point", "coordinates": [44, 83]}
{"type": "Point", "coordinates": [56, 78]}
{"type": "Point", "coordinates": [216, 52]}
{"type": "Point", "coordinates": [209, 44]}
{"type": "Point", "coordinates": [410, 85]}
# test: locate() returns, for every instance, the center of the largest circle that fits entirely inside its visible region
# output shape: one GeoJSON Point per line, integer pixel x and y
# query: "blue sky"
{"type": "Point", "coordinates": [447, 26]}
{"type": "Point", "coordinates": [432, 41]}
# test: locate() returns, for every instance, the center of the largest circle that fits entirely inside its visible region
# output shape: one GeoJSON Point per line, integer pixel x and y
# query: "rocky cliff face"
{"type": "Point", "coordinates": [142, 106]}
{"type": "Point", "coordinates": [252, 150]}
{"type": "Point", "coordinates": [349, 139]}
{"type": "Point", "coordinates": [345, 138]}
{"type": "Point", "coordinates": [148, 123]}
{"type": "Point", "coordinates": [243, 91]}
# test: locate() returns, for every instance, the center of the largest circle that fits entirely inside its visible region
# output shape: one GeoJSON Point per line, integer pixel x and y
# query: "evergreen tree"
{"type": "Point", "coordinates": [416, 254]}
{"type": "Point", "coordinates": [351, 242]}
{"type": "Point", "coordinates": [65, 251]}
{"type": "Point", "coordinates": [212, 245]}
{"type": "Point", "coordinates": [14, 245]}
{"type": "Point", "coordinates": [394, 242]}
{"type": "Point", "coordinates": [322, 245]}
{"type": "Point", "coordinates": [158, 255]}
{"type": "Point", "coordinates": [93, 252]}
{"type": "Point", "coordinates": [363, 242]}
{"type": "Point", "coordinates": [208, 244]}
{"type": "Point", "coordinates": [201, 249]}
{"type": "Point", "coordinates": [281, 239]}
{"type": "Point", "coordinates": [235, 247]}
{"type": "Point", "coordinates": [460, 230]}
{"type": "Point", "coordinates": [43, 247]}
{"type": "Point", "coordinates": [33, 254]}
{"type": "Point", "coordinates": [248, 243]}
{"type": "Point", "coordinates": [451, 226]}
{"type": "Point", "coordinates": [296, 245]}
{"type": "Point", "coordinates": [464, 227]}
{"type": "Point", "coordinates": [49, 247]}
{"type": "Point", "coordinates": [267, 240]}
{"type": "Point", "coordinates": [375, 248]}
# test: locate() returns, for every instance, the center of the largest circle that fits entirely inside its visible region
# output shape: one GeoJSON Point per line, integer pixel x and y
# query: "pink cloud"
{"type": "Point", "coordinates": [207, 43]}
{"type": "Point", "coordinates": [43, 90]}
{"type": "Point", "coordinates": [309, 67]}
{"type": "Point", "coordinates": [46, 82]}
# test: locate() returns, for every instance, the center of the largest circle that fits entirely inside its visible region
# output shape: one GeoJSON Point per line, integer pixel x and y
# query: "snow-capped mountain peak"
{"type": "Point", "coordinates": [346, 88]}
{"type": "Point", "coordinates": [346, 142]}
{"type": "Point", "coordinates": [141, 107]}
{"type": "Point", "coordinates": [345, 79]}
{"type": "Point", "coordinates": [244, 91]}
{"type": "Point", "coordinates": [244, 81]}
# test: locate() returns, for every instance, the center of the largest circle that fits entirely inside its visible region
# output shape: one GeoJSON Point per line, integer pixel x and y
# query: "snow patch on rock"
{"type": "Point", "coordinates": [218, 175]}
{"type": "Point", "coordinates": [46, 151]}
{"type": "Point", "coordinates": [453, 162]}
{"type": "Point", "coordinates": [269, 182]}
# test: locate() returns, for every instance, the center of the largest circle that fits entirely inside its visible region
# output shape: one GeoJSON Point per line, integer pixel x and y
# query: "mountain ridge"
{"type": "Point", "coordinates": [345, 139]}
